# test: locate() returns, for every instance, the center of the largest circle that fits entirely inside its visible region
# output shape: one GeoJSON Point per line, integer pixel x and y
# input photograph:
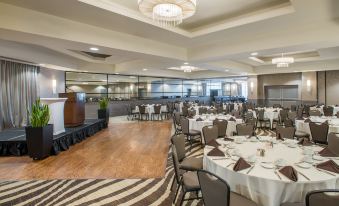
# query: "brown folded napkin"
{"type": "Point", "coordinates": [305, 142]}
{"type": "Point", "coordinates": [307, 120]}
{"type": "Point", "coordinates": [213, 143]}
{"type": "Point", "coordinates": [199, 119]}
{"type": "Point", "coordinates": [216, 152]}
{"type": "Point", "coordinates": [228, 139]}
{"type": "Point", "coordinates": [329, 165]}
{"type": "Point", "coordinates": [326, 152]}
{"type": "Point", "coordinates": [232, 119]}
{"type": "Point", "coordinates": [241, 164]}
{"type": "Point", "coordinates": [290, 173]}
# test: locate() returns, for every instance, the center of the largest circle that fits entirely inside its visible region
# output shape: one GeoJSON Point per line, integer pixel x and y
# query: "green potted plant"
{"type": "Point", "coordinates": [103, 111]}
{"type": "Point", "coordinates": [39, 134]}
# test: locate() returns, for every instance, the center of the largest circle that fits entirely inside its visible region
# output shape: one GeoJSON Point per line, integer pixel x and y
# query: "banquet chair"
{"type": "Point", "coordinates": [328, 111]}
{"type": "Point", "coordinates": [202, 110]}
{"type": "Point", "coordinates": [184, 111]}
{"type": "Point", "coordinates": [262, 119]}
{"type": "Point", "coordinates": [300, 112]}
{"type": "Point", "coordinates": [176, 122]}
{"type": "Point", "coordinates": [252, 121]}
{"type": "Point", "coordinates": [282, 116]}
{"type": "Point", "coordinates": [188, 181]}
{"type": "Point", "coordinates": [222, 127]}
{"type": "Point", "coordinates": [333, 143]}
{"type": "Point", "coordinates": [292, 115]}
{"type": "Point", "coordinates": [319, 132]}
{"type": "Point", "coordinates": [236, 114]}
{"type": "Point", "coordinates": [249, 115]}
{"type": "Point", "coordinates": [285, 132]}
{"type": "Point", "coordinates": [142, 112]}
{"type": "Point", "coordinates": [307, 110]}
{"type": "Point", "coordinates": [157, 112]}
{"type": "Point", "coordinates": [293, 108]}
{"type": "Point", "coordinates": [337, 114]}
{"type": "Point", "coordinates": [210, 133]}
{"type": "Point", "coordinates": [211, 111]}
{"type": "Point", "coordinates": [134, 113]}
{"type": "Point", "coordinates": [191, 113]}
{"type": "Point", "coordinates": [216, 192]}
{"type": "Point", "coordinates": [329, 197]}
{"type": "Point", "coordinates": [185, 163]}
{"type": "Point", "coordinates": [188, 132]}
{"type": "Point", "coordinates": [316, 113]}
{"type": "Point", "coordinates": [245, 130]}
{"type": "Point", "coordinates": [167, 111]}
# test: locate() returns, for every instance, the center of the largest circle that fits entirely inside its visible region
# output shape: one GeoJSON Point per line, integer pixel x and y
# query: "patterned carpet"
{"type": "Point", "coordinates": [136, 192]}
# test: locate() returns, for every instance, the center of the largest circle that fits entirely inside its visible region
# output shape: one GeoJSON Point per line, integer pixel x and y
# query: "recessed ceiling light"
{"type": "Point", "coordinates": [85, 71]}
{"type": "Point", "coordinates": [227, 70]}
{"type": "Point", "coordinates": [41, 64]}
{"type": "Point", "coordinates": [94, 49]}
{"type": "Point", "coordinates": [186, 63]}
{"type": "Point", "coordinates": [116, 73]}
{"type": "Point", "coordinates": [144, 69]}
{"type": "Point", "coordinates": [254, 53]}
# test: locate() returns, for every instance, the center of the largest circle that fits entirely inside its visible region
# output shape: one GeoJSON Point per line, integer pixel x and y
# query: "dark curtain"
{"type": "Point", "coordinates": [18, 91]}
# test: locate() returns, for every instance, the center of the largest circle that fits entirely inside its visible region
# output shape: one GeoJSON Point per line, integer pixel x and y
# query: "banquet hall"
{"type": "Point", "coordinates": [169, 102]}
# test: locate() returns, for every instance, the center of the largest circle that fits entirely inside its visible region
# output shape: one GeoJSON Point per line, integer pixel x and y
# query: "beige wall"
{"type": "Point", "coordinates": [332, 87]}
{"type": "Point", "coordinates": [309, 92]}
{"type": "Point", "coordinates": [45, 82]}
{"type": "Point", "coordinates": [252, 92]}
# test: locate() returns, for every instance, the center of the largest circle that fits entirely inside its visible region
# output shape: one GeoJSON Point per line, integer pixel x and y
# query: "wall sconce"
{"type": "Point", "coordinates": [54, 86]}
{"type": "Point", "coordinates": [251, 86]}
{"type": "Point", "coordinates": [308, 85]}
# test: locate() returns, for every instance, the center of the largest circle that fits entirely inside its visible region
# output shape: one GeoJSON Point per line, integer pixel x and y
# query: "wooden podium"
{"type": "Point", "coordinates": [74, 112]}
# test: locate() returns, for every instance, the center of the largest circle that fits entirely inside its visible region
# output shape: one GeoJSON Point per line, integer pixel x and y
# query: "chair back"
{"type": "Point", "coordinates": [249, 115]}
{"type": "Point", "coordinates": [236, 114]}
{"type": "Point", "coordinates": [222, 126]}
{"type": "Point", "coordinates": [184, 125]}
{"type": "Point", "coordinates": [157, 109]}
{"type": "Point", "coordinates": [210, 133]}
{"type": "Point", "coordinates": [288, 123]}
{"type": "Point", "coordinates": [185, 111]}
{"type": "Point", "coordinates": [293, 108]}
{"type": "Point", "coordinates": [300, 112]}
{"type": "Point", "coordinates": [177, 118]}
{"type": "Point", "coordinates": [261, 114]}
{"type": "Point", "coordinates": [333, 143]}
{"type": "Point", "coordinates": [319, 132]}
{"type": "Point", "coordinates": [202, 110]}
{"type": "Point", "coordinates": [337, 114]}
{"type": "Point", "coordinates": [292, 115]}
{"type": "Point", "coordinates": [315, 113]}
{"type": "Point", "coordinates": [252, 121]}
{"type": "Point", "coordinates": [285, 132]}
{"type": "Point", "coordinates": [245, 129]}
{"type": "Point", "coordinates": [211, 111]}
{"type": "Point", "coordinates": [176, 164]}
{"type": "Point", "coordinates": [283, 115]}
{"type": "Point", "coordinates": [215, 191]}
{"type": "Point", "coordinates": [323, 197]}
{"type": "Point", "coordinates": [328, 111]}
{"type": "Point", "coordinates": [179, 142]}
{"type": "Point", "coordinates": [142, 109]}
{"type": "Point", "coordinates": [307, 110]}
{"type": "Point", "coordinates": [191, 113]}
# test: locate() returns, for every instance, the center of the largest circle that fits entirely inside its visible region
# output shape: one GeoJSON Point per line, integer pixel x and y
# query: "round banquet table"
{"type": "Point", "coordinates": [262, 185]}
{"type": "Point", "coordinates": [303, 126]}
{"type": "Point", "coordinates": [208, 120]}
{"type": "Point", "coordinates": [150, 109]}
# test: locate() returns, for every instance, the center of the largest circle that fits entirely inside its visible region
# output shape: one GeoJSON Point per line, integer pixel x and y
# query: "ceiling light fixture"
{"type": "Point", "coordinates": [254, 53]}
{"type": "Point", "coordinates": [282, 62]}
{"type": "Point", "coordinates": [168, 12]}
{"type": "Point", "coordinates": [187, 69]}
{"type": "Point", "coordinates": [144, 69]}
{"type": "Point", "coordinates": [94, 49]}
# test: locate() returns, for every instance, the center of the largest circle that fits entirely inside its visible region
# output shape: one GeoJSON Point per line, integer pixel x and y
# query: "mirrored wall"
{"type": "Point", "coordinates": [128, 87]}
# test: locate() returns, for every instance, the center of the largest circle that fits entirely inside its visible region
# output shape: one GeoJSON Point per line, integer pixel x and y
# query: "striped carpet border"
{"type": "Point", "coordinates": [86, 192]}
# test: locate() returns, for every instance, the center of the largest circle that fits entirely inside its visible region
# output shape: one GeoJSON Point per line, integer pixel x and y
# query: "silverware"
{"type": "Point", "coordinates": [304, 175]}
{"type": "Point", "coordinates": [324, 171]}
{"type": "Point", "coordinates": [230, 164]}
{"type": "Point", "coordinates": [250, 169]}
{"type": "Point", "coordinates": [220, 158]}
{"type": "Point", "coordinates": [275, 171]}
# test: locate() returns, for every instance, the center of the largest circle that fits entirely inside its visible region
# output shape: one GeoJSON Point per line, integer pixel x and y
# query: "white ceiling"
{"type": "Point", "coordinates": [218, 39]}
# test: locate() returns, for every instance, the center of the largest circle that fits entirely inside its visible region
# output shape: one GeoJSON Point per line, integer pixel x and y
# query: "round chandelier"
{"type": "Point", "coordinates": [168, 12]}
{"type": "Point", "coordinates": [282, 61]}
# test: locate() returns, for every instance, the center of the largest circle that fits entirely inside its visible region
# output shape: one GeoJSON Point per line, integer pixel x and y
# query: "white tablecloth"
{"type": "Point", "coordinates": [304, 127]}
{"type": "Point", "coordinates": [262, 185]}
{"type": "Point", "coordinates": [208, 120]}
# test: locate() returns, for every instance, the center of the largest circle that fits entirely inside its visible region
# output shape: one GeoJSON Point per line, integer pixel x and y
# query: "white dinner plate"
{"type": "Point", "coordinates": [267, 165]}
{"type": "Point", "coordinates": [304, 165]}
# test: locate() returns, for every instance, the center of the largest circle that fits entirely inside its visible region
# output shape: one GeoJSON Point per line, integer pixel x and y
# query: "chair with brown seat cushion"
{"type": "Point", "coordinates": [292, 115]}
{"type": "Point", "coordinates": [288, 123]}
{"type": "Point", "coordinates": [185, 163]}
{"type": "Point", "coordinates": [285, 132]}
{"type": "Point", "coordinates": [188, 132]}
{"type": "Point", "coordinates": [142, 111]}
{"type": "Point", "coordinates": [319, 132]}
{"type": "Point", "coordinates": [282, 116]}
{"type": "Point", "coordinates": [300, 112]}
{"type": "Point", "coordinates": [328, 197]}
{"type": "Point", "coordinates": [262, 119]}
{"type": "Point", "coordinates": [188, 181]}
{"type": "Point", "coordinates": [210, 133]}
{"type": "Point", "coordinates": [202, 110]}
{"type": "Point", "coordinates": [184, 111]}
{"type": "Point", "coordinates": [333, 143]}
{"type": "Point", "coordinates": [316, 113]}
{"type": "Point", "coordinates": [157, 112]}
{"type": "Point", "coordinates": [191, 113]}
{"type": "Point", "coordinates": [176, 121]}
{"type": "Point", "coordinates": [216, 192]}
{"type": "Point", "coordinates": [245, 130]}
{"type": "Point", "coordinates": [252, 121]}
{"type": "Point", "coordinates": [222, 127]}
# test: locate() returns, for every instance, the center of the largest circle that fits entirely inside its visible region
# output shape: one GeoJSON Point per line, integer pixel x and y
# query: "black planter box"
{"type": "Point", "coordinates": [103, 114]}
{"type": "Point", "coordinates": [39, 141]}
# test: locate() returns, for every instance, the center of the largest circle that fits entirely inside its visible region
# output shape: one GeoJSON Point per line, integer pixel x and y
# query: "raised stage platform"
{"type": "Point", "coordinates": [13, 141]}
